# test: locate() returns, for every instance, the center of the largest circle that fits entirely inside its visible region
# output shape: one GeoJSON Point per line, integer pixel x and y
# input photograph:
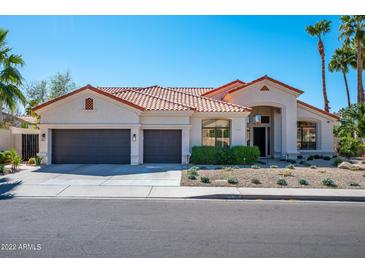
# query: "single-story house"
{"type": "Point", "coordinates": [135, 125]}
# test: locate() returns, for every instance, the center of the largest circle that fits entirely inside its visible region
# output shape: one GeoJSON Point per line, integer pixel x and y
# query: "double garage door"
{"type": "Point", "coordinates": [113, 146]}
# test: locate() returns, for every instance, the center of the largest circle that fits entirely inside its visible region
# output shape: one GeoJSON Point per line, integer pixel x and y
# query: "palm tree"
{"type": "Point", "coordinates": [10, 77]}
{"type": "Point", "coordinates": [341, 59]}
{"type": "Point", "coordinates": [353, 28]}
{"type": "Point", "coordinates": [319, 29]}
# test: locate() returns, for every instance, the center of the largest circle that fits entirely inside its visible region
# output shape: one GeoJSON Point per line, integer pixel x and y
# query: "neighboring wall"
{"type": "Point", "coordinates": [6, 139]}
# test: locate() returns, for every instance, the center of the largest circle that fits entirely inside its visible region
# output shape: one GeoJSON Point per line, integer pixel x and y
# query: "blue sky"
{"type": "Point", "coordinates": [205, 51]}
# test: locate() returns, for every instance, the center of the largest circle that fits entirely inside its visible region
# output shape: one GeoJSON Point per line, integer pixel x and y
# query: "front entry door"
{"type": "Point", "coordinates": [259, 139]}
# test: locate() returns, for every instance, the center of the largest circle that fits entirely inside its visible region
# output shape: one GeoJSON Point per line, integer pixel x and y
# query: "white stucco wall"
{"type": "Point", "coordinates": [279, 97]}
{"type": "Point", "coordinates": [6, 139]}
{"type": "Point", "coordinates": [325, 138]}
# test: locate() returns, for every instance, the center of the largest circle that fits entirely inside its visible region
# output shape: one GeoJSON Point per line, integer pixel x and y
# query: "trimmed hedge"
{"type": "Point", "coordinates": [237, 155]}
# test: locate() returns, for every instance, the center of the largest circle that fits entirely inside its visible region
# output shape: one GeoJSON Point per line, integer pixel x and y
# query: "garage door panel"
{"type": "Point", "coordinates": [162, 146]}
{"type": "Point", "coordinates": [91, 146]}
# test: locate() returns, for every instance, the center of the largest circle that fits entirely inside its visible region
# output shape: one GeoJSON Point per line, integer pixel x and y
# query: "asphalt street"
{"type": "Point", "coordinates": [180, 228]}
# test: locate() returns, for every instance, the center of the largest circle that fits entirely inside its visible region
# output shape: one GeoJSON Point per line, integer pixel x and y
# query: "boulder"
{"type": "Point", "coordinates": [345, 165]}
{"type": "Point", "coordinates": [357, 167]}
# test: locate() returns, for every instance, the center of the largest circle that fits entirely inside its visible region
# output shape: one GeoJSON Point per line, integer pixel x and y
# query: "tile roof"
{"type": "Point", "coordinates": [161, 98]}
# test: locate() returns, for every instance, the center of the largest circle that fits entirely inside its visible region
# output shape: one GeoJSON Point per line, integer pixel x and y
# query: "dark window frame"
{"type": "Point", "coordinates": [302, 144]}
{"type": "Point", "coordinates": [216, 144]}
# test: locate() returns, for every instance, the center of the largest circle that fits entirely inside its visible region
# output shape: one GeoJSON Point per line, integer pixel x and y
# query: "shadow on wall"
{"type": "Point", "coordinates": [6, 186]}
{"type": "Point", "coordinates": [107, 169]}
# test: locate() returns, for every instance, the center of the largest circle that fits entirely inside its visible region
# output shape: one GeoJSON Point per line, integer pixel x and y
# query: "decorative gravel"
{"type": "Point", "coordinates": [268, 177]}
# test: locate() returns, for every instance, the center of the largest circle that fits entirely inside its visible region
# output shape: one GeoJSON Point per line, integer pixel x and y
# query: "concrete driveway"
{"type": "Point", "coordinates": [99, 174]}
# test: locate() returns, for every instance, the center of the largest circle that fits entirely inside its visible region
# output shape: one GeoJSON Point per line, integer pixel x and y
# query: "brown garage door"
{"type": "Point", "coordinates": [91, 146]}
{"type": "Point", "coordinates": [162, 146]}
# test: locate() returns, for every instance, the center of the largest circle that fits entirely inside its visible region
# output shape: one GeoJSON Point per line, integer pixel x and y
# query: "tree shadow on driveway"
{"type": "Point", "coordinates": [6, 186]}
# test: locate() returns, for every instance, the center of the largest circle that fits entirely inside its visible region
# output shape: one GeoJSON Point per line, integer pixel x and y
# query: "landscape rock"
{"type": "Point", "coordinates": [345, 165]}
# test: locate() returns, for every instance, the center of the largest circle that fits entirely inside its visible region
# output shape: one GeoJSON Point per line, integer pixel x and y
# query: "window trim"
{"type": "Point", "coordinates": [315, 127]}
{"type": "Point", "coordinates": [215, 128]}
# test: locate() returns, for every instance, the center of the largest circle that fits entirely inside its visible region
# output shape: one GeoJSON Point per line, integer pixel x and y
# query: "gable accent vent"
{"type": "Point", "coordinates": [264, 88]}
{"type": "Point", "coordinates": [89, 104]}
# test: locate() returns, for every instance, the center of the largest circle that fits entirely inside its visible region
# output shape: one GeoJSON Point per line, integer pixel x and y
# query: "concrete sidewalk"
{"type": "Point", "coordinates": [149, 192]}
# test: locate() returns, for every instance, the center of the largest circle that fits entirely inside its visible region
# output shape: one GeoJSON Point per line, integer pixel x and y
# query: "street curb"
{"type": "Point", "coordinates": [280, 197]}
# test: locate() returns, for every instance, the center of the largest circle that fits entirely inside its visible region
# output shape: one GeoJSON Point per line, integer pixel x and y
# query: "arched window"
{"type": "Point", "coordinates": [216, 133]}
{"type": "Point", "coordinates": [89, 104]}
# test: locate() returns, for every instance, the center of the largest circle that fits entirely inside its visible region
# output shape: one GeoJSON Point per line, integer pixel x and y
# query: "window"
{"type": "Point", "coordinates": [89, 104]}
{"type": "Point", "coordinates": [216, 133]}
{"type": "Point", "coordinates": [306, 135]}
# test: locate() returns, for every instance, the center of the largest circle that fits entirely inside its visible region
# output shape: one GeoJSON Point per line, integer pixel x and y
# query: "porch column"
{"type": "Point", "coordinates": [45, 146]}
{"type": "Point", "coordinates": [290, 131]}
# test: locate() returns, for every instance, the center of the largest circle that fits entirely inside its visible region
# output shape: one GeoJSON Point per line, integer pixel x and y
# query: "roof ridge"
{"type": "Point", "coordinates": [208, 98]}
{"type": "Point", "coordinates": [159, 98]}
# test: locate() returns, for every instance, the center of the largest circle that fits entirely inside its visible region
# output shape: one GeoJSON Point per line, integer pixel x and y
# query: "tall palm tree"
{"type": "Point", "coordinates": [10, 77]}
{"type": "Point", "coordinates": [340, 61]}
{"type": "Point", "coordinates": [353, 29]}
{"type": "Point", "coordinates": [319, 30]}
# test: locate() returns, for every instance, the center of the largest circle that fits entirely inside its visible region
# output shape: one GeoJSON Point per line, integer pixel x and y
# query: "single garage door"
{"type": "Point", "coordinates": [162, 146]}
{"type": "Point", "coordinates": [91, 146]}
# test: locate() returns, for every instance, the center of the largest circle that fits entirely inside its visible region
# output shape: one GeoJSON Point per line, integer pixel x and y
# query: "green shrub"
{"type": "Point", "coordinates": [255, 181]}
{"type": "Point", "coordinates": [316, 156]}
{"type": "Point", "coordinates": [300, 157]}
{"type": "Point", "coordinates": [208, 155]}
{"type": "Point", "coordinates": [349, 147]}
{"type": "Point", "coordinates": [291, 161]}
{"type": "Point", "coordinates": [326, 158]}
{"type": "Point", "coordinates": [310, 158]}
{"type": "Point", "coordinates": [313, 167]}
{"type": "Point", "coordinates": [2, 157]}
{"type": "Point", "coordinates": [329, 182]}
{"type": "Point", "coordinates": [14, 159]}
{"type": "Point", "coordinates": [291, 166]}
{"type": "Point", "coordinates": [303, 182]}
{"type": "Point", "coordinates": [193, 172]}
{"type": "Point", "coordinates": [31, 161]}
{"type": "Point", "coordinates": [38, 160]}
{"type": "Point", "coordinates": [205, 179]}
{"type": "Point", "coordinates": [245, 154]}
{"type": "Point", "coordinates": [255, 167]}
{"type": "Point", "coordinates": [1, 169]}
{"type": "Point", "coordinates": [191, 177]}
{"type": "Point", "coordinates": [232, 180]}
{"type": "Point", "coordinates": [274, 166]}
{"type": "Point", "coordinates": [336, 162]}
{"type": "Point", "coordinates": [282, 182]}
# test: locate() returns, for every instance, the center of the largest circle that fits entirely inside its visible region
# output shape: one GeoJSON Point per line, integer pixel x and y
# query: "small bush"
{"type": "Point", "coordinates": [1, 169]}
{"type": "Point", "coordinates": [38, 161]}
{"type": "Point", "coordinates": [300, 157]}
{"type": "Point", "coordinates": [326, 158]}
{"type": "Point", "coordinates": [255, 181]}
{"type": "Point", "coordinates": [310, 158]}
{"type": "Point", "coordinates": [14, 159]}
{"type": "Point", "coordinates": [193, 171]}
{"type": "Point", "coordinates": [2, 157]}
{"type": "Point", "coordinates": [291, 166]}
{"type": "Point", "coordinates": [282, 182]}
{"type": "Point", "coordinates": [191, 177]}
{"type": "Point", "coordinates": [313, 167]}
{"type": "Point", "coordinates": [196, 168]}
{"type": "Point", "coordinates": [274, 166]}
{"type": "Point", "coordinates": [291, 161]}
{"type": "Point", "coordinates": [236, 155]}
{"type": "Point", "coordinates": [205, 179]}
{"type": "Point", "coordinates": [316, 156]}
{"type": "Point", "coordinates": [31, 161]}
{"type": "Point", "coordinates": [232, 180]}
{"type": "Point", "coordinates": [336, 162]}
{"type": "Point", "coordinates": [303, 182]}
{"type": "Point", "coordinates": [354, 184]}
{"type": "Point", "coordinates": [255, 167]}
{"type": "Point", "coordinates": [329, 182]}
{"type": "Point", "coordinates": [349, 146]}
